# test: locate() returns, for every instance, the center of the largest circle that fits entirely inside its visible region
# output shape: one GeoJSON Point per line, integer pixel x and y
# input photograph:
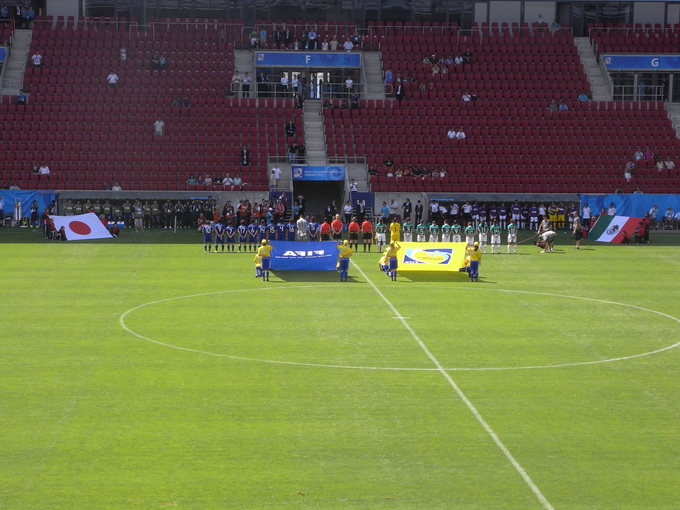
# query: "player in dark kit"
{"type": "Point", "coordinates": [252, 237]}
{"type": "Point", "coordinates": [271, 232]}
{"type": "Point", "coordinates": [261, 232]}
{"type": "Point", "coordinates": [242, 231]}
{"type": "Point", "coordinates": [219, 235]}
{"type": "Point", "coordinates": [230, 234]}
{"type": "Point", "coordinates": [312, 229]}
{"type": "Point", "coordinates": [280, 231]}
{"type": "Point", "coordinates": [290, 230]}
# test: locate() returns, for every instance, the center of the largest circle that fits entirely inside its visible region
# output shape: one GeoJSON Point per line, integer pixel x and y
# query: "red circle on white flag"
{"type": "Point", "coordinates": [80, 228]}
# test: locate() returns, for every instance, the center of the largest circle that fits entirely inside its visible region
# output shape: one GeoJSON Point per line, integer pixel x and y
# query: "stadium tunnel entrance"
{"type": "Point", "coordinates": [319, 195]}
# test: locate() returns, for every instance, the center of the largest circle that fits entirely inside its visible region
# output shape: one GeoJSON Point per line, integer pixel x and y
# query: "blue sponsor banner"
{"type": "Point", "coordinates": [318, 173]}
{"type": "Point", "coordinates": [641, 62]}
{"type": "Point", "coordinates": [307, 59]}
{"type": "Point", "coordinates": [635, 205]}
{"type": "Point", "coordinates": [26, 198]}
{"type": "Point", "coordinates": [304, 256]}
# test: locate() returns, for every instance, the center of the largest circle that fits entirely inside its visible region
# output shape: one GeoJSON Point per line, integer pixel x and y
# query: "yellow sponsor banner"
{"type": "Point", "coordinates": [431, 256]}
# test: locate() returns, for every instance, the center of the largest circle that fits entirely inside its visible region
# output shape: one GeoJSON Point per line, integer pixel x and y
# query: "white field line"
{"type": "Point", "coordinates": [518, 467]}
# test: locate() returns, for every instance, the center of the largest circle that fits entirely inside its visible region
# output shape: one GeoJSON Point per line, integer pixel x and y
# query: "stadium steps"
{"type": "Point", "coordinates": [673, 111]}
{"type": "Point", "coordinates": [243, 63]}
{"type": "Point", "coordinates": [375, 87]}
{"type": "Point", "coordinates": [597, 81]}
{"type": "Point", "coordinates": [315, 140]}
{"type": "Point", "coordinates": [13, 77]}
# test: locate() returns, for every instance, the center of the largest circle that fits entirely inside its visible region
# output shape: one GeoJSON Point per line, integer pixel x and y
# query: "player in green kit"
{"type": "Point", "coordinates": [421, 231]}
{"type": "Point", "coordinates": [495, 230]}
{"type": "Point", "coordinates": [470, 234]}
{"type": "Point", "coordinates": [434, 232]}
{"type": "Point", "coordinates": [455, 232]}
{"type": "Point", "coordinates": [512, 235]}
{"type": "Point", "coordinates": [446, 232]}
{"type": "Point", "coordinates": [380, 233]}
{"type": "Point", "coordinates": [407, 228]}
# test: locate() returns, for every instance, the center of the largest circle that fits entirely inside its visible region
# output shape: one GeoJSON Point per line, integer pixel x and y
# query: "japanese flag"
{"type": "Point", "coordinates": [81, 226]}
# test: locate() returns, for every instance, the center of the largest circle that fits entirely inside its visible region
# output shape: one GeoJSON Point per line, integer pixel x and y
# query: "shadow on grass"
{"type": "Point", "coordinates": [308, 276]}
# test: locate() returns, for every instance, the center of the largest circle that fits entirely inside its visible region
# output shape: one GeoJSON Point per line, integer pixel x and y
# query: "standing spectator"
{"type": "Point", "coordinates": [349, 83]}
{"type": "Point", "coordinates": [347, 211]}
{"type": "Point", "coordinates": [276, 176]}
{"type": "Point", "coordinates": [334, 43]}
{"type": "Point", "coordinates": [290, 128]}
{"type": "Point", "coordinates": [245, 84]}
{"type": "Point", "coordinates": [348, 45]}
{"type": "Point", "coordinates": [123, 54]}
{"type": "Point", "coordinates": [389, 82]}
{"type": "Point", "coordinates": [400, 92]}
{"type": "Point", "coordinates": [628, 171]}
{"type": "Point", "coordinates": [158, 127]}
{"type": "Point", "coordinates": [245, 156]}
{"type": "Point", "coordinates": [112, 79]}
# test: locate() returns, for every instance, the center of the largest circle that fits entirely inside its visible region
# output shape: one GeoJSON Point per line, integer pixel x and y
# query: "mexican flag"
{"type": "Point", "coordinates": [612, 229]}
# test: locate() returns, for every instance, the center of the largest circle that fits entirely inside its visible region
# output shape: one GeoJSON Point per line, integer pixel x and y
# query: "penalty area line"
{"type": "Point", "coordinates": [468, 403]}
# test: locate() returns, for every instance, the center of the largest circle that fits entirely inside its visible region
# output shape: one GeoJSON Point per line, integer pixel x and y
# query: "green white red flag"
{"type": "Point", "coordinates": [613, 229]}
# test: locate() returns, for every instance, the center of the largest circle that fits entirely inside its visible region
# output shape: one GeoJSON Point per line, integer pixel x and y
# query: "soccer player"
{"type": "Point", "coordinates": [219, 235]}
{"type": "Point", "coordinates": [434, 232]}
{"type": "Point", "coordinates": [495, 230]}
{"type": "Point", "coordinates": [207, 229]}
{"type": "Point", "coordinates": [281, 231]}
{"type": "Point", "coordinates": [502, 214]}
{"type": "Point", "coordinates": [483, 234]}
{"type": "Point", "coordinates": [512, 236]}
{"type": "Point", "coordinates": [252, 236]}
{"type": "Point", "coordinates": [344, 253]}
{"type": "Point", "coordinates": [271, 232]}
{"type": "Point", "coordinates": [312, 229]}
{"type": "Point", "coordinates": [455, 232]}
{"type": "Point", "coordinates": [395, 229]}
{"type": "Point", "coordinates": [242, 231]}
{"type": "Point", "coordinates": [353, 229]}
{"type": "Point", "coordinates": [367, 234]}
{"type": "Point", "coordinates": [469, 234]}
{"type": "Point", "coordinates": [475, 257]}
{"type": "Point", "coordinates": [407, 227]}
{"type": "Point", "coordinates": [421, 232]}
{"type": "Point", "coordinates": [261, 231]}
{"type": "Point", "coordinates": [380, 233]}
{"type": "Point", "coordinates": [230, 234]}
{"type": "Point", "coordinates": [552, 214]}
{"type": "Point", "coordinates": [533, 217]}
{"type": "Point", "coordinates": [515, 213]}
{"type": "Point", "coordinates": [392, 262]}
{"type": "Point", "coordinates": [290, 230]}
{"type": "Point", "coordinates": [264, 252]}
{"type": "Point", "coordinates": [446, 232]}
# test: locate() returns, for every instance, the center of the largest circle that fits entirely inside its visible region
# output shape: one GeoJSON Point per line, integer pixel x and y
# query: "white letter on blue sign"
{"type": "Point", "coordinates": [308, 59]}
{"type": "Point", "coordinates": [655, 62]}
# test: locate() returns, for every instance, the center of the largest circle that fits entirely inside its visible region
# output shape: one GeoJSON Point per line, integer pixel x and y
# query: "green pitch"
{"type": "Point", "coordinates": [141, 373]}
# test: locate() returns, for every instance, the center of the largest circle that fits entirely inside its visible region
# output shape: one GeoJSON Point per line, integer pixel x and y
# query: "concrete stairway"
{"type": "Point", "coordinates": [243, 63]}
{"type": "Point", "coordinates": [13, 72]}
{"type": "Point", "coordinates": [598, 83]}
{"type": "Point", "coordinates": [372, 69]}
{"type": "Point", "coordinates": [673, 111]}
{"type": "Point", "coordinates": [315, 138]}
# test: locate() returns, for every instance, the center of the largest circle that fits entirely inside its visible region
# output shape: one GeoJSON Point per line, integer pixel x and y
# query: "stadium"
{"type": "Point", "coordinates": [509, 165]}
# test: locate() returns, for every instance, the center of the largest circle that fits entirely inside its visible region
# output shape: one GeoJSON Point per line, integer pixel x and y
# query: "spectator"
{"type": "Point", "coordinates": [552, 106]}
{"type": "Point", "coordinates": [669, 165]}
{"type": "Point", "coordinates": [668, 219]}
{"type": "Point", "coordinates": [44, 170]}
{"type": "Point", "coordinates": [177, 102]}
{"type": "Point", "coordinates": [228, 181]}
{"type": "Point", "coordinates": [238, 182]}
{"type": "Point", "coordinates": [162, 62]}
{"type": "Point", "coordinates": [325, 45]}
{"type": "Point", "coordinates": [112, 79]}
{"type": "Point", "coordinates": [389, 81]}
{"type": "Point", "coordinates": [348, 45]}
{"type": "Point", "coordinates": [354, 101]}
{"type": "Point", "coordinates": [236, 84]}
{"type": "Point", "coordinates": [245, 84]}
{"type": "Point", "coordinates": [244, 156]}
{"type": "Point", "coordinates": [275, 176]}
{"type": "Point", "coordinates": [349, 83]}
{"type": "Point", "coordinates": [583, 97]}
{"type": "Point", "coordinates": [400, 92]}
{"type": "Point", "coordinates": [451, 134]}
{"type": "Point", "coordinates": [22, 97]}
{"type": "Point", "coordinates": [123, 54]}
{"type": "Point", "coordinates": [659, 163]}
{"type": "Point", "coordinates": [290, 128]}
{"type": "Point", "coordinates": [466, 97]}
{"type": "Point", "coordinates": [299, 101]}
{"type": "Point", "coordinates": [460, 134]}
{"type": "Point", "coordinates": [292, 152]}
{"type": "Point", "coordinates": [628, 171]}
{"type": "Point", "coordinates": [638, 155]}
{"type": "Point", "coordinates": [158, 127]}
{"type": "Point", "coordinates": [155, 61]}
{"type": "Point", "coordinates": [563, 107]}
{"type": "Point", "coordinates": [37, 59]}
{"type": "Point", "coordinates": [301, 153]}
{"type": "Point", "coordinates": [116, 187]}
{"type": "Point", "coordinates": [334, 43]}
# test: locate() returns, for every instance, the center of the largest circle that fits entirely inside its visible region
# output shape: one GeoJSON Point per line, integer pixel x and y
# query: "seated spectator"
{"type": "Point", "coordinates": [649, 155]}
{"type": "Point", "coordinates": [638, 155]}
{"type": "Point", "coordinates": [112, 79]}
{"type": "Point", "coordinates": [344, 105]}
{"type": "Point", "coordinates": [398, 173]}
{"type": "Point", "coordinates": [207, 180]}
{"type": "Point", "coordinates": [669, 165]}
{"type": "Point", "coordinates": [37, 59]}
{"type": "Point", "coordinates": [186, 102]}
{"type": "Point", "coordinates": [466, 97]}
{"type": "Point", "coordinates": [552, 106]}
{"type": "Point", "coordinates": [458, 61]}
{"type": "Point", "coordinates": [191, 181]}
{"type": "Point", "coordinates": [354, 101]}
{"type": "Point", "coordinates": [238, 182]}
{"type": "Point", "coordinates": [328, 104]}
{"type": "Point", "coordinates": [290, 128]}
{"type": "Point", "coordinates": [334, 43]}
{"type": "Point", "coordinates": [659, 163]}
{"type": "Point", "coordinates": [158, 127]}
{"type": "Point", "coordinates": [162, 62]}
{"type": "Point", "coordinates": [155, 61]}
{"type": "Point", "coordinates": [348, 45]}
{"type": "Point", "coordinates": [388, 161]}
{"type": "Point", "coordinates": [22, 97]}
{"type": "Point", "coordinates": [563, 107]}
{"type": "Point", "coordinates": [44, 170]}
{"type": "Point", "coordinates": [13, 186]}
{"type": "Point", "coordinates": [583, 97]}
{"type": "Point", "coordinates": [467, 57]}
{"type": "Point", "coordinates": [35, 169]}
{"type": "Point", "coordinates": [116, 187]}
{"type": "Point", "coordinates": [460, 134]}
{"type": "Point", "coordinates": [177, 102]}
{"type": "Point", "coordinates": [451, 134]}
{"type": "Point", "coordinates": [443, 172]}
{"type": "Point", "coordinates": [123, 54]}
{"type": "Point", "coordinates": [474, 97]}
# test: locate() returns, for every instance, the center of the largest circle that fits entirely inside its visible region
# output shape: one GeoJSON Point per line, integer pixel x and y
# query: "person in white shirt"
{"type": "Point", "coordinates": [284, 84]}
{"type": "Point", "coordinates": [301, 229]}
{"type": "Point", "coordinates": [668, 218]}
{"type": "Point", "coordinates": [467, 97]}
{"type": "Point", "coordinates": [123, 54]}
{"type": "Point", "coordinates": [612, 210]}
{"type": "Point", "coordinates": [353, 186]}
{"type": "Point", "coordinates": [228, 181]}
{"type": "Point", "coordinates": [37, 59]}
{"type": "Point", "coordinates": [112, 79]}
{"type": "Point", "coordinates": [677, 219]}
{"type": "Point", "coordinates": [116, 187]}
{"type": "Point", "coordinates": [451, 134]}
{"type": "Point", "coordinates": [158, 127]}
{"type": "Point", "coordinates": [349, 83]}
{"type": "Point", "coordinates": [324, 45]}
{"type": "Point", "coordinates": [585, 215]}
{"type": "Point", "coordinates": [44, 170]}
{"type": "Point", "coordinates": [669, 164]}
{"type": "Point", "coordinates": [460, 134]}
{"type": "Point", "coordinates": [454, 210]}
{"type": "Point", "coordinates": [276, 176]}
{"type": "Point", "coordinates": [348, 45]}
